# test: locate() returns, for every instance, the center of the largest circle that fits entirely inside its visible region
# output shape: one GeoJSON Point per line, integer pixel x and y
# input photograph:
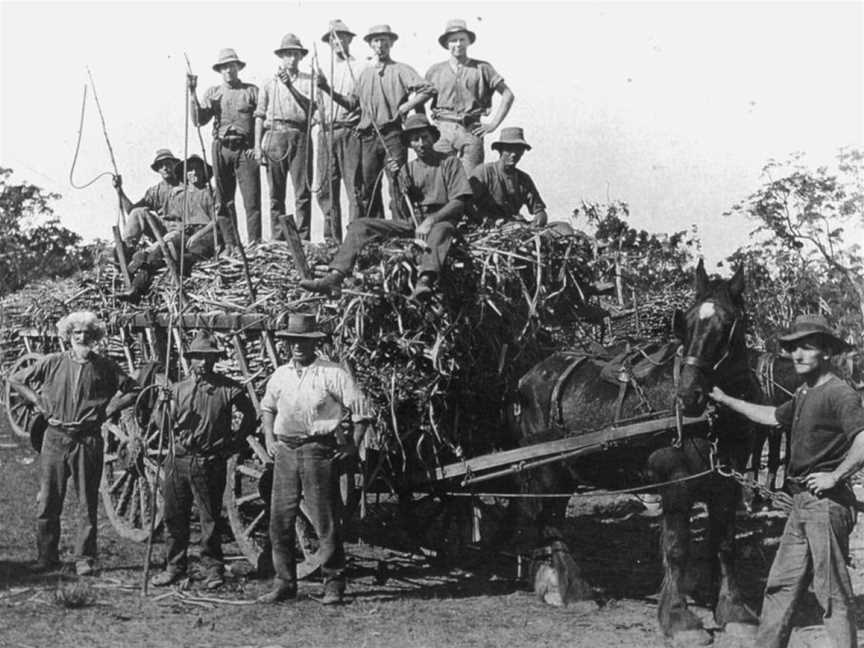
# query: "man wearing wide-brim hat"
{"type": "Point", "coordinates": [188, 221]}
{"type": "Point", "coordinates": [386, 92]}
{"type": "Point", "coordinates": [436, 185]}
{"type": "Point", "coordinates": [201, 416]}
{"type": "Point", "coordinates": [282, 141]}
{"type": "Point", "coordinates": [464, 88]}
{"type": "Point", "coordinates": [826, 419]}
{"type": "Point", "coordinates": [154, 202]}
{"type": "Point", "coordinates": [338, 145]}
{"type": "Point", "coordinates": [305, 405]}
{"type": "Point", "coordinates": [501, 189]}
{"type": "Point", "coordinates": [231, 106]}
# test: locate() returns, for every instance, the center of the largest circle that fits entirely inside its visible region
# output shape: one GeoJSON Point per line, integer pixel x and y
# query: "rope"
{"type": "Point", "coordinates": [78, 148]}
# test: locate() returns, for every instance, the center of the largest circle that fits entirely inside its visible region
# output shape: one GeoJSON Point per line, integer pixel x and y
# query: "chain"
{"type": "Point", "coordinates": [781, 500]}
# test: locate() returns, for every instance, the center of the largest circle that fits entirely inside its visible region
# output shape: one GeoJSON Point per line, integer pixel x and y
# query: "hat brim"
{"type": "Point", "coordinates": [838, 345]}
{"type": "Point", "coordinates": [278, 52]}
{"type": "Point", "coordinates": [239, 63]}
{"type": "Point", "coordinates": [436, 134]}
{"type": "Point", "coordinates": [442, 39]}
{"type": "Point", "coordinates": [311, 335]}
{"type": "Point", "coordinates": [178, 168]}
{"type": "Point", "coordinates": [326, 37]}
{"type": "Point", "coordinates": [158, 162]}
{"type": "Point", "coordinates": [393, 36]}
{"type": "Point", "coordinates": [497, 146]}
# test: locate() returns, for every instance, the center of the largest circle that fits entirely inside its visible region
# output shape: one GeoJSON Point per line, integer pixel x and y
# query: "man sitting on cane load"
{"type": "Point", "coordinates": [437, 185]}
{"type": "Point", "coordinates": [155, 199]}
{"type": "Point", "coordinates": [195, 467]}
{"type": "Point", "coordinates": [195, 199]}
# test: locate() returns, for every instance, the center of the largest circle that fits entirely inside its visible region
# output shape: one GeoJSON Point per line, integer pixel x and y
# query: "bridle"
{"type": "Point", "coordinates": [704, 365]}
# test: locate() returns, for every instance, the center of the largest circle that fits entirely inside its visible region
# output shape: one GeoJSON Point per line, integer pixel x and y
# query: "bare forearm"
{"type": "Point", "coordinates": [507, 99]}
{"type": "Point", "coordinates": [452, 211]}
{"type": "Point", "coordinates": [267, 420]}
{"type": "Point", "coordinates": [417, 100]}
{"type": "Point", "coordinates": [761, 414]}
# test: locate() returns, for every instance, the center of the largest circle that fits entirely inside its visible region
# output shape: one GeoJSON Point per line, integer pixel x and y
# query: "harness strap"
{"type": "Point", "coordinates": [556, 415]}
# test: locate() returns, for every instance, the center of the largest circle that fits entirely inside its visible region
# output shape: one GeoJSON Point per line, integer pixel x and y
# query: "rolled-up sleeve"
{"type": "Point", "coordinates": [270, 401]}
{"type": "Point", "coordinates": [352, 396]}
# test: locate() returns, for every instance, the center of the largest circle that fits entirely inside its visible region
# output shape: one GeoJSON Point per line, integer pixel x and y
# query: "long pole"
{"type": "Point", "coordinates": [121, 216]}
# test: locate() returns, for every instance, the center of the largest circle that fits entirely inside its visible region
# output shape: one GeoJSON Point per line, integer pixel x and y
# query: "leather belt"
{"type": "Point", "coordinates": [235, 143]}
{"type": "Point", "coordinates": [282, 124]}
{"type": "Point", "coordinates": [295, 442]}
{"type": "Point", "coordinates": [463, 121]}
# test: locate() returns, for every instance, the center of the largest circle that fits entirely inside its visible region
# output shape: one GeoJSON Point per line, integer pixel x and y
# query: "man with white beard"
{"type": "Point", "coordinates": [72, 390]}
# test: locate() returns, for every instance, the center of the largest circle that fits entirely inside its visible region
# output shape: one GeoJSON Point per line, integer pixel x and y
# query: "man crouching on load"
{"type": "Point", "coordinates": [72, 390]}
{"type": "Point", "coordinates": [302, 412]}
{"type": "Point", "coordinates": [436, 186]}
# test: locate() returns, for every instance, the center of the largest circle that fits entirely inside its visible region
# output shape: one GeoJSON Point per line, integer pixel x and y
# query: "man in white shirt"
{"type": "Point", "coordinates": [302, 413]}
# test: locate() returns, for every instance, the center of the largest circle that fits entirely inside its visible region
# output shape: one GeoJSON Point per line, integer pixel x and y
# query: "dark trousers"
{"type": "Point", "coordinates": [230, 167]}
{"type": "Point", "coordinates": [367, 230]}
{"type": "Point", "coordinates": [309, 472]}
{"type": "Point", "coordinates": [815, 544]}
{"type": "Point", "coordinates": [67, 457]}
{"type": "Point", "coordinates": [199, 245]}
{"type": "Point", "coordinates": [193, 478]}
{"type": "Point", "coordinates": [373, 156]}
{"type": "Point", "coordinates": [341, 161]}
{"type": "Point", "coordinates": [296, 162]}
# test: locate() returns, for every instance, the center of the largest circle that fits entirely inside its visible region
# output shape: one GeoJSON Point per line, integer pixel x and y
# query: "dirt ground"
{"type": "Point", "coordinates": [397, 598]}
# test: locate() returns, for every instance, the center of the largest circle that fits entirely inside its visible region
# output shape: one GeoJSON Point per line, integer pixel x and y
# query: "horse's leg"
{"type": "Point", "coordinates": [730, 612]}
{"type": "Point", "coordinates": [750, 496]}
{"type": "Point", "coordinates": [775, 441]}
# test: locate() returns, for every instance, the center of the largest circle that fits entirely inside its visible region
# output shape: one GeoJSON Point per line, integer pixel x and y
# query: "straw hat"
{"type": "Point", "coordinates": [290, 42]}
{"type": "Point", "coordinates": [379, 30]}
{"type": "Point", "coordinates": [817, 325]}
{"type": "Point", "coordinates": [163, 154]}
{"type": "Point", "coordinates": [513, 136]}
{"type": "Point", "coordinates": [454, 26]}
{"type": "Point", "coordinates": [301, 325]}
{"type": "Point", "coordinates": [203, 344]}
{"type": "Point", "coordinates": [339, 27]}
{"type": "Point", "coordinates": [227, 55]}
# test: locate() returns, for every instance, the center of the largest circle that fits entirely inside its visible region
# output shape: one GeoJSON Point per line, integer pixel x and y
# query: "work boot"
{"type": "Point", "coordinates": [281, 592]}
{"type": "Point", "coordinates": [424, 288]}
{"type": "Point", "coordinates": [334, 591]}
{"type": "Point", "coordinates": [214, 579]}
{"type": "Point", "coordinates": [167, 577]}
{"type": "Point", "coordinates": [140, 285]}
{"type": "Point", "coordinates": [325, 285]}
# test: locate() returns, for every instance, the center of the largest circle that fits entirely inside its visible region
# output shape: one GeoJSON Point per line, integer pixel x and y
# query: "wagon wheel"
{"type": "Point", "coordinates": [129, 478]}
{"type": "Point", "coordinates": [247, 500]}
{"type": "Point", "coordinates": [18, 410]}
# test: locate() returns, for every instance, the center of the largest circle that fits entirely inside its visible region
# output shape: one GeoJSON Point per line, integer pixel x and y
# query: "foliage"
{"type": "Point", "coordinates": [803, 257]}
{"type": "Point", "coordinates": [33, 244]}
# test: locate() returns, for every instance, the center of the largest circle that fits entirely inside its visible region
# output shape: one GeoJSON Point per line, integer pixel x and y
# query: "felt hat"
{"type": "Point", "coordinates": [163, 154]}
{"type": "Point", "coordinates": [203, 344]}
{"type": "Point", "coordinates": [512, 136]}
{"type": "Point", "coordinates": [817, 325]}
{"type": "Point", "coordinates": [378, 30]}
{"type": "Point", "coordinates": [193, 159]}
{"type": "Point", "coordinates": [227, 55]}
{"type": "Point", "coordinates": [339, 27]}
{"type": "Point", "coordinates": [301, 325]}
{"type": "Point", "coordinates": [290, 42]}
{"type": "Point", "coordinates": [418, 121]}
{"type": "Point", "coordinates": [454, 26]}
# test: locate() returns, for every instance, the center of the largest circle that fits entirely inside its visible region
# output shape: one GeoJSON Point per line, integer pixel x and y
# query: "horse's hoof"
{"type": "Point", "coordinates": [585, 606]}
{"type": "Point", "coordinates": [741, 630]}
{"type": "Point", "coordinates": [690, 638]}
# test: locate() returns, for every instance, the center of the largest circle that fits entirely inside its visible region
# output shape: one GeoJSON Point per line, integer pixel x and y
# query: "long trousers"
{"type": "Point", "coordinates": [367, 230]}
{"type": "Point", "coordinates": [197, 247]}
{"type": "Point", "coordinates": [342, 162]}
{"type": "Point", "coordinates": [309, 472]}
{"type": "Point", "coordinates": [373, 156]}
{"type": "Point", "coordinates": [457, 140]}
{"type": "Point", "coordinates": [296, 163]}
{"type": "Point", "coordinates": [66, 458]}
{"type": "Point", "coordinates": [814, 544]}
{"type": "Point", "coordinates": [136, 225]}
{"type": "Point", "coordinates": [202, 480]}
{"type": "Point", "coordinates": [233, 166]}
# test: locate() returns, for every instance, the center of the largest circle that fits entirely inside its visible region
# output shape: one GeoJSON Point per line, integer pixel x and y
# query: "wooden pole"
{"type": "Point", "coordinates": [295, 245]}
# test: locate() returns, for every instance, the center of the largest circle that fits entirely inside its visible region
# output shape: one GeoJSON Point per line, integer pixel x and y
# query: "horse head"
{"type": "Point", "coordinates": [712, 334]}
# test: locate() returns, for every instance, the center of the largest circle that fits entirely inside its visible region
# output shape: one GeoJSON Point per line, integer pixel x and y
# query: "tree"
{"type": "Point", "coordinates": [805, 260]}
{"type": "Point", "coordinates": [33, 244]}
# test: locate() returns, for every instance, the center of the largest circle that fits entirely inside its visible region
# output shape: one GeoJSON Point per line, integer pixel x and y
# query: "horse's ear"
{"type": "Point", "coordinates": [679, 325]}
{"type": "Point", "coordinates": [736, 284]}
{"type": "Point", "coordinates": [701, 279]}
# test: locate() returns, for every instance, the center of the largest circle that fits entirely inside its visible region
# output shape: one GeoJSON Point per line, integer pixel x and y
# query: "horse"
{"type": "Point", "coordinates": [569, 394]}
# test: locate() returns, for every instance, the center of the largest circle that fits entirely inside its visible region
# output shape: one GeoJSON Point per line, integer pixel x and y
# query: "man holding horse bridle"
{"type": "Point", "coordinates": [826, 418]}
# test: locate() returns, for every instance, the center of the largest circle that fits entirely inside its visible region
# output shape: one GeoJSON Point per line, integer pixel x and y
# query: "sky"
{"type": "Point", "coordinates": [672, 107]}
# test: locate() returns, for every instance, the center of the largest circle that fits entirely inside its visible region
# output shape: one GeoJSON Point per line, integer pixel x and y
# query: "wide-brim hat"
{"type": "Point", "coordinates": [455, 26]}
{"type": "Point", "coordinates": [378, 30]}
{"type": "Point", "coordinates": [301, 325]}
{"type": "Point", "coordinates": [203, 344]}
{"type": "Point", "coordinates": [512, 136]}
{"type": "Point", "coordinates": [290, 42]}
{"type": "Point", "coordinates": [193, 159]}
{"type": "Point", "coordinates": [161, 155]}
{"type": "Point", "coordinates": [227, 55]}
{"type": "Point", "coordinates": [417, 122]}
{"type": "Point", "coordinates": [814, 325]}
{"type": "Point", "coordinates": [339, 27]}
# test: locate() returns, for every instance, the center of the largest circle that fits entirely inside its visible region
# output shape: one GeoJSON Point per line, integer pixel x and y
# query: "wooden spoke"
{"type": "Point", "coordinates": [19, 411]}
{"type": "Point", "coordinates": [248, 530]}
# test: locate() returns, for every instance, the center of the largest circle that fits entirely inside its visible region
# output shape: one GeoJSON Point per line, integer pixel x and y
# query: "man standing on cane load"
{"type": "Point", "coordinates": [338, 143]}
{"type": "Point", "coordinates": [282, 136]}
{"type": "Point", "coordinates": [826, 418]}
{"type": "Point", "coordinates": [231, 105]}
{"type": "Point", "coordinates": [155, 199]}
{"type": "Point", "coordinates": [302, 412]}
{"type": "Point", "coordinates": [201, 407]}
{"type": "Point", "coordinates": [464, 89]}
{"type": "Point", "coordinates": [72, 389]}
{"type": "Point", "coordinates": [437, 185]}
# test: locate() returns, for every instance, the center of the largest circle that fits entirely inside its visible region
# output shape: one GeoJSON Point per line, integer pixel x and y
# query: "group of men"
{"type": "Point", "coordinates": [369, 115]}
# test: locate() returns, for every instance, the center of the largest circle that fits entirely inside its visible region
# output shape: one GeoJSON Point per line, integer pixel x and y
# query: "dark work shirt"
{"type": "Point", "coordinates": [436, 182]}
{"type": "Point", "coordinates": [199, 206]}
{"type": "Point", "coordinates": [156, 197]}
{"type": "Point", "coordinates": [824, 420]}
{"type": "Point", "coordinates": [202, 414]}
{"type": "Point", "coordinates": [501, 195]}
{"type": "Point", "coordinates": [233, 106]}
{"type": "Point", "coordinates": [76, 392]}
{"type": "Point", "coordinates": [382, 88]}
{"type": "Point", "coordinates": [465, 91]}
